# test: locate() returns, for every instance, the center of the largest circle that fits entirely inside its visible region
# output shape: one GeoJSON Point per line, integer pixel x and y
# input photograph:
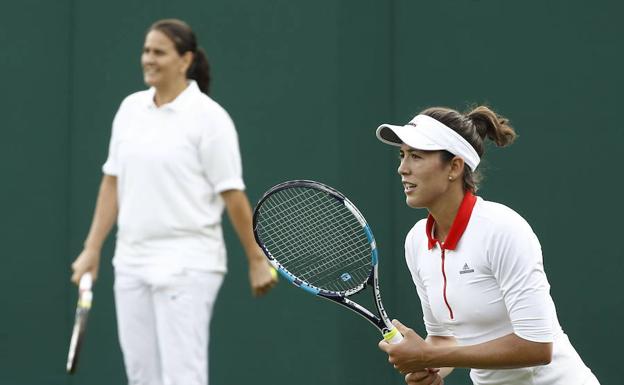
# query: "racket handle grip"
{"type": "Point", "coordinates": [86, 282]}
{"type": "Point", "coordinates": [393, 336]}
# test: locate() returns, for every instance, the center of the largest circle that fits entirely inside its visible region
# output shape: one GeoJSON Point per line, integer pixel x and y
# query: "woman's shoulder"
{"type": "Point", "coordinates": [417, 231]}
{"type": "Point", "coordinates": [499, 215]}
{"type": "Point", "coordinates": [207, 103]}
{"type": "Point", "coordinates": [210, 108]}
{"type": "Point", "coordinates": [138, 97]}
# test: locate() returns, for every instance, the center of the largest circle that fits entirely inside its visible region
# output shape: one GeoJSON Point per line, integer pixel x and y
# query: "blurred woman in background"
{"type": "Point", "coordinates": [172, 168]}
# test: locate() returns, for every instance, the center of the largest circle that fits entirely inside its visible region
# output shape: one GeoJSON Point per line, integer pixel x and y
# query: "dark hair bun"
{"type": "Point", "coordinates": [489, 124]}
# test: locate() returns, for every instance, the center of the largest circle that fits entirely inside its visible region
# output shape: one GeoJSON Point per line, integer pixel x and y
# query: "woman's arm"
{"type": "Point", "coordinates": [442, 341]}
{"type": "Point", "coordinates": [239, 212]}
{"type": "Point", "coordinates": [431, 376]}
{"type": "Point", "coordinates": [104, 218]}
{"type": "Point", "coordinates": [510, 351]}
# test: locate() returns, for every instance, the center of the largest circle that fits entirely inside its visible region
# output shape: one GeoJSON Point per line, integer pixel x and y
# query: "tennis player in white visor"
{"type": "Point", "coordinates": [477, 265]}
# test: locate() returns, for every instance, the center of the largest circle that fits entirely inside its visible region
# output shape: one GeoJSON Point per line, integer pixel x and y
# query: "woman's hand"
{"type": "Point", "coordinates": [424, 377]}
{"type": "Point", "coordinates": [262, 276]}
{"type": "Point", "coordinates": [87, 261]}
{"type": "Point", "coordinates": [409, 355]}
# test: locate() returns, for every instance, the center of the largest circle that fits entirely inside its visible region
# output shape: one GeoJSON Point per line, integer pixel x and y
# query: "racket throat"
{"type": "Point", "coordinates": [361, 310]}
{"type": "Point", "coordinates": [384, 322]}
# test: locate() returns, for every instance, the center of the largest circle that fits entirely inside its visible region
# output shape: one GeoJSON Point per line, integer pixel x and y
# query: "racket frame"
{"type": "Point", "coordinates": [381, 322]}
{"type": "Point", "coordinates": [85, 298]}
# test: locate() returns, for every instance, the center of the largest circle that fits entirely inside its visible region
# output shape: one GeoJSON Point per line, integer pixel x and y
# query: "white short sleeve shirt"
{"type": "Point", "coordinates": [486, 281]}
{"type": "Point", "coordinates": [171, 164]}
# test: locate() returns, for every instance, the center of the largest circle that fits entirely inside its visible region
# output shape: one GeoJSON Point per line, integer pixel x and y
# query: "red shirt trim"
{"type": "Point", "coordinates": [459, 224]}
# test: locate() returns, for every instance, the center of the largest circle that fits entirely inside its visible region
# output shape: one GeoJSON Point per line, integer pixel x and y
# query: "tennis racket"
{"type": "Point", "coordinates": [318, 240]}
{"type": "Point", "coordinates": [85, 296]}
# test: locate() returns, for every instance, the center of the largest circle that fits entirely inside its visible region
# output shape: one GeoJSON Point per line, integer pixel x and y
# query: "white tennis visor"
{"type": "Point", "coordinates": [428, 134]}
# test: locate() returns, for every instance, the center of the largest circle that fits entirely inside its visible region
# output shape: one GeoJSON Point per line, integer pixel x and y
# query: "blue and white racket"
{"type": "Point", "coordinates": [318, 240]}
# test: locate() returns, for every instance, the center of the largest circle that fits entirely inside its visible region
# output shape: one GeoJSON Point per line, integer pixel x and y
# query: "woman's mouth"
{"type": "Point", "coordinates": [408, 187]}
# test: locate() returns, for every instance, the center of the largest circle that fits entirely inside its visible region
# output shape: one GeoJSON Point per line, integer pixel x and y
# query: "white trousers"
{"type": "Point", "coordinates": [163, 320]}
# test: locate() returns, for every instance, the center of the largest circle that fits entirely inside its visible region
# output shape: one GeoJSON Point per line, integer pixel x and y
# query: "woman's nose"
{"type": "Point", "coordinates": [402, 170]}
{"type": "Point", "coordinates": [147, 58]}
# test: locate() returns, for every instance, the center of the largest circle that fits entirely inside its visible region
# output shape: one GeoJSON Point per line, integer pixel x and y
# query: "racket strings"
{"type": "Point", "coordinates": [317, 231]}
{"type": "Point", "coordinates": [316, 238]}
{"type": "Point", "coordinates": [313, 267]}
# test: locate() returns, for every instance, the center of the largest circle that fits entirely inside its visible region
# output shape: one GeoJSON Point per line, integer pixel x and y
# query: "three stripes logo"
{"type": "Point", "coordinates": [466, 269]}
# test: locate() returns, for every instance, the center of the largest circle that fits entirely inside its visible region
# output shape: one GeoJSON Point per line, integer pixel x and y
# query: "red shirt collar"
{"type": "Point", "coordinates": [459, 223]}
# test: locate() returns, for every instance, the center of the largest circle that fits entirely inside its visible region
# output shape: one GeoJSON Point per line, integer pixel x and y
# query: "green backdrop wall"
{"type": "Point", "coordinates": [307, 83]}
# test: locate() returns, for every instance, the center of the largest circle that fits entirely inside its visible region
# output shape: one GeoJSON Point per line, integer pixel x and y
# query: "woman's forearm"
{"type": "Point", "coordinates": [441, 341]}
{"type": "Point", "coordinates": [239, 212]}
{"type": "Point", "coordinates": [505, 352]}
{"type": "Point", "coordinates": [105, 214]}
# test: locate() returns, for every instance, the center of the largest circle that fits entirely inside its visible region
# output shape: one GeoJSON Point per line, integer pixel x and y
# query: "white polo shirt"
{"type": "Point", "coordinates": [486, 281]}
{"type": "Point", "coordinates": [171, 163]}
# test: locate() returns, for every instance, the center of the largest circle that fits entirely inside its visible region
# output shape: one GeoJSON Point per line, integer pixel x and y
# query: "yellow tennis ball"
{"type": "Point", "coordinates": [273, 273]}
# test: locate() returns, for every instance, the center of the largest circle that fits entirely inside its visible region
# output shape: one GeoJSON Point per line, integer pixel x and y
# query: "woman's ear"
{"type": "Point", "coordinates": [187, 60]}
{"type": "Point", "coordinates": [457, 168]}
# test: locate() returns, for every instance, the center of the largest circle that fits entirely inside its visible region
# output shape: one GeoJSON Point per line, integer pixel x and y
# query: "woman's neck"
{"type": "Point", "coordinates": [444, 211]}
{"type": "Point", "coordinates": [167, 93]}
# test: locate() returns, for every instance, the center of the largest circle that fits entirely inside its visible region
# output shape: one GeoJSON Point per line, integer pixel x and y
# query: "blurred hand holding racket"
{"type": "Point", "coordinates": [318, 240]}
{"type": "Point", "coordinates": [85, 297]}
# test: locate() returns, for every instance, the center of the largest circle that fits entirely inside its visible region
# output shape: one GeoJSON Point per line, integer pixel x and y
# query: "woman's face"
{"type": "Point", "coordinates": [425, 177]}
{"type": "Point", "coordinates": [162, 65]}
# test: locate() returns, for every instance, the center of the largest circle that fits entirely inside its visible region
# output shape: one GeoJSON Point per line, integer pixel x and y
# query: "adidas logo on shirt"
{"type": "Point", "coordinates": [466, 269]}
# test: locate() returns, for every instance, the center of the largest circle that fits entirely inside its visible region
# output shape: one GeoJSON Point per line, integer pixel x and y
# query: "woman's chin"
{"type": "Point", "coordinates": [413, 203]}
{"type": "Point", "coordinates": [150, 81]}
